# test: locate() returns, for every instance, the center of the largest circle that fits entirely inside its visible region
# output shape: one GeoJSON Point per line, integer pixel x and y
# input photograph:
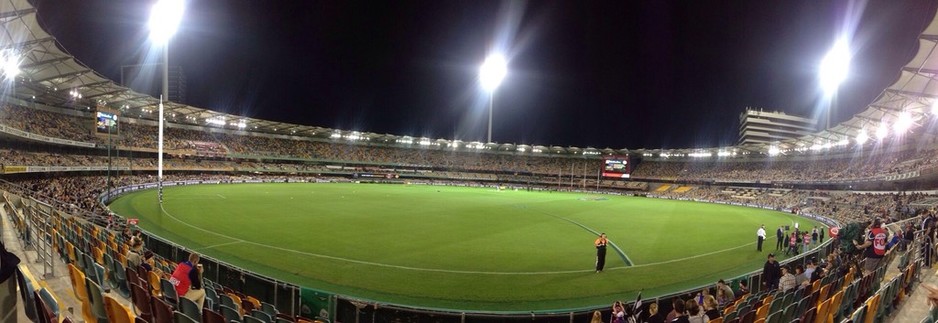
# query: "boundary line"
{"type": "Point", "coordinates": [218, 245]}
{"type": "Point", "coordinates": [376, 264]}
{"type": "Point", "coordinates": [625, 258]}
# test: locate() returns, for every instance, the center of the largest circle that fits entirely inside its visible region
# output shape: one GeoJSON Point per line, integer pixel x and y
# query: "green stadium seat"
{"type": "Point", "coordinates": [190, 309]}
{"type": "Point", "coordinates": [96, 300]}
{"type": "Point", "coordinates": [230, 314]}
{"type": "Point", "coordinates": [179, 317]}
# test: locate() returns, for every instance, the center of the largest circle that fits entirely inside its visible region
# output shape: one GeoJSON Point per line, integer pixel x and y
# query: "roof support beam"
{"type": "Point", "coordinates": [915, 94]}
{"type": "Point", "coordinates": [17, 13]}
{"type": "Point", "coordinates": [78, 72]}
{"type": "Point", "coordinates": [28, 43]}
{"type": "Point", "coordinates": [108, 93]}
{"type": "Point", "coordinates": [48, 61]}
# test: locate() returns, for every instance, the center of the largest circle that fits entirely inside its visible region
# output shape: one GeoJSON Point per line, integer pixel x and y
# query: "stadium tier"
{"type": "Point", "coordinates": [80, 190]}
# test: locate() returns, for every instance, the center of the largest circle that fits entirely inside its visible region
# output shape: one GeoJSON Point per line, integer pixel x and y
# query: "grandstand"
{"type": "Point", "coordinates": [57, 172]}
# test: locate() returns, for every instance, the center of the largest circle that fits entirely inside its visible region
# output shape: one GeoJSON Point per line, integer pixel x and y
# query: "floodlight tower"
{"type": "Point", "coordinates": [491, 74]}
{"type": "Point", "coordinates": [835, 67]}
{"type": "Point", "coordinates": [164, 20]}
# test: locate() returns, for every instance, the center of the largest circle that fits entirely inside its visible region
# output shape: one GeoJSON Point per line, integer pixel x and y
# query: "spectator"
{"type": "Point", "coordinates": [787, 282]}
{"type": "Point", "coordinates": [874, 246]}
{"type": "Point", "coordinates": [728, 295]}
{"type": "Point", "coordinates": [680, 313]}
{"type": "Point", "coordinates": [187, 278]}
{"type": "Point", "coordinates": [712, 308]}
{"type": "Point", "coordinates": [771, 273]}
{"type": "Point", "coordinates": [597, 317]}
{"type": "Point", "coordinates": [653, 315]}
{"type": "Point", "coordinates": [694, 312]}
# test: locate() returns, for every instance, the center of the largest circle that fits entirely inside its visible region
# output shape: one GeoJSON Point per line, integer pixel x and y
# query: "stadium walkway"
{"type": "Point", "coordinates": [916, 307]}
{"type": "Point", "coordinates": [60, 283]}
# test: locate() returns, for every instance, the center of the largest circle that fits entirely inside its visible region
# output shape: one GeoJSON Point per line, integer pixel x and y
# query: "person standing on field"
{"type": "Point", "coordinates": [780, 235]}
{"type": "Point", "coordinates": [760, 237]}
{"type": "Point", "coordinates": [601, 252]}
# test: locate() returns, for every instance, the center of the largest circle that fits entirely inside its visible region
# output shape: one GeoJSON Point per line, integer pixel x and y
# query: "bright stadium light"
{"type": "Point", "coordinates": [491, 74]}
{"type": "Point", "coordinates": [10, 64]}
{"type": "Point", "coordinates": [882, 131]}
{"type": "Point", "coordinates": [934, 108]}
{"type": "Point", "coordinates": [835, 67]}
{"type": "Point", "coordinates": [165, 17]}
{"type": "Point", "coordinates": [904, 123]}
{"type": "Point", "coordinates": [164, 20]}
{"type": "Point", "coordinates": [774, 151]}
{"type": "Point", "coordinates": [862, 137]}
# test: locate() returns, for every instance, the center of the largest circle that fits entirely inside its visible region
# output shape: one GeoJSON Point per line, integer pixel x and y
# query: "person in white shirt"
{"type": "Point", "coordinates": [760, 235]}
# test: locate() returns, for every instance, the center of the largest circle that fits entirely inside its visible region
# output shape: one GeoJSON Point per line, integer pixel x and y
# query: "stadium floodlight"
{"type": "Point", "coordinates": [903, 123]}
{"type": "Point", "coordinates": [165, 17]}
{"type": "Point", "coordinates": [164, 20]}
{"type": "Point", "coordinates": [10, 64]}
{"type": "Point", "coordinates": [491, 74]}
{"type": "Point", "coordinates": [934, 108]}
{"type": "Point", "coordinates": [862, 137]}
{"type": "Point", "coordinates": [882, 131]}
{"type": "Point", "coordinates": [774, 151]}
{"type": "Point", "coordinates": [835, 67]}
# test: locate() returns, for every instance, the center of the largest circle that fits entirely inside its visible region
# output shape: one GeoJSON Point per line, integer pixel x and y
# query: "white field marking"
{"type": "Point", "coordinates": [221, 196]}
{"type": "Point", "coordinates": [696, 256]}
{"type": "Point", "coordinates": [218, 245]}
{"type": "Point", "coordinates": [448, 271]}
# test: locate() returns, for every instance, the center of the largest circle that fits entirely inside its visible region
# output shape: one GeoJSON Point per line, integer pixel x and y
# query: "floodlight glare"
{"type": "Point", "coordinates": [934, 108]}
{"type": "Point", "coordinates": [862, 137]}
{"type": "Point", "coordinates": [773, 151]}
{"type": "Point", "coordinates": [492, 72]}
{"type": "Point", "coordinates": [882, 131]}
{"type": "Point", "coordinates": [835, 67]}
{"type": "Point", "coordinates": [164, 19]}
{"type": "Point", "coordinates": [904, 123]}
{"type": "Point", "coordinates": [10, 65]}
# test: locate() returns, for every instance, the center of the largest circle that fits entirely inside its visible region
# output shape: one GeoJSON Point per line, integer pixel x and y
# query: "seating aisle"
{"type": "Point", "coordinates": [59, 284]}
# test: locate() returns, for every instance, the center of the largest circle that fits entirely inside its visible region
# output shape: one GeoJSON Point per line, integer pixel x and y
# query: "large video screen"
{"type": "Point", "coordinates": [617, 167]}
{"type": "Point", "coordinates": [107, 123]}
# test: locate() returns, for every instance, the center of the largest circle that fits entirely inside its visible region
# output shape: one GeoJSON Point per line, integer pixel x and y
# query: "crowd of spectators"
{"type": "Point", "coordinates": [218, 144]}
{"type": "Point", "coordinates": [863, 167]}
{"type": "Point", "coordinates": [79, 194]}
{"type": "Point", "coordinates": [843, 207]}
{"type": "Point", "coordinates": [47, 123]}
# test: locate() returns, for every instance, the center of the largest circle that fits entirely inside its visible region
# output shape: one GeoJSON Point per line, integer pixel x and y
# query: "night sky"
{"type": "Point", "coordinates": [620, 74]}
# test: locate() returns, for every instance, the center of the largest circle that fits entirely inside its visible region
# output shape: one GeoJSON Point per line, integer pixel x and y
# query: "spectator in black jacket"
{"type": "Point", "coordinates": [771, 273]}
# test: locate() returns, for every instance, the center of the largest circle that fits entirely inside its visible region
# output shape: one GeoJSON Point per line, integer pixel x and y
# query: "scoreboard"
{"type": "Point", "coordinates": [617, 167]}
{"type": "Point", "coordinates": [106, 122]}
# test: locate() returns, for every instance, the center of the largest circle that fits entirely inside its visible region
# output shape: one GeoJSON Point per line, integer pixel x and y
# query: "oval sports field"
{"type": "Point", "coordinates": [475, 249]}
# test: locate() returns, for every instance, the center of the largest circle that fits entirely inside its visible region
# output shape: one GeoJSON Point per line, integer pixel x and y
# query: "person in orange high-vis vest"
{"type": "Point", "coordinates": [601, 252]}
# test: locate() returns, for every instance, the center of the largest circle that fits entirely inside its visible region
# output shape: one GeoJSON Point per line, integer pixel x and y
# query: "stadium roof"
{"type": "Point", "coordinates": [51, 76]}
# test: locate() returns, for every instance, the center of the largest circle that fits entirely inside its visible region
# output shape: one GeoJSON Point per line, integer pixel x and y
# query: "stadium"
{"type": "Point", "coordinates": [107, 192]}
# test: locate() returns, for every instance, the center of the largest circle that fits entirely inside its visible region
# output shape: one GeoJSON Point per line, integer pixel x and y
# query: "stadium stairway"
{"type": "Point", "coordinates": [916, 308]}
{"type": "Point", "coordinates": [60, 285]}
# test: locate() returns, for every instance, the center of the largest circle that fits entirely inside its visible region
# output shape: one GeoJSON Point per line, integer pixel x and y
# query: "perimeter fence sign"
{"type": "Point", "coordinates": [317, 304]}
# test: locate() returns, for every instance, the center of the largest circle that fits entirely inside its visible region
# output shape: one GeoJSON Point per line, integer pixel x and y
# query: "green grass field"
{"type": "Point", "coordinates": [459, 248]}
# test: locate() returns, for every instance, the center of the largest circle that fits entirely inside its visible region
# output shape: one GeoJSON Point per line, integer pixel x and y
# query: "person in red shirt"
{"type": "Point", "coordinates": [187, 278]}
{"type": "Point", "coordinates": [874, 245]}
{"type": "Point", "coordinates": [601, 252]}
